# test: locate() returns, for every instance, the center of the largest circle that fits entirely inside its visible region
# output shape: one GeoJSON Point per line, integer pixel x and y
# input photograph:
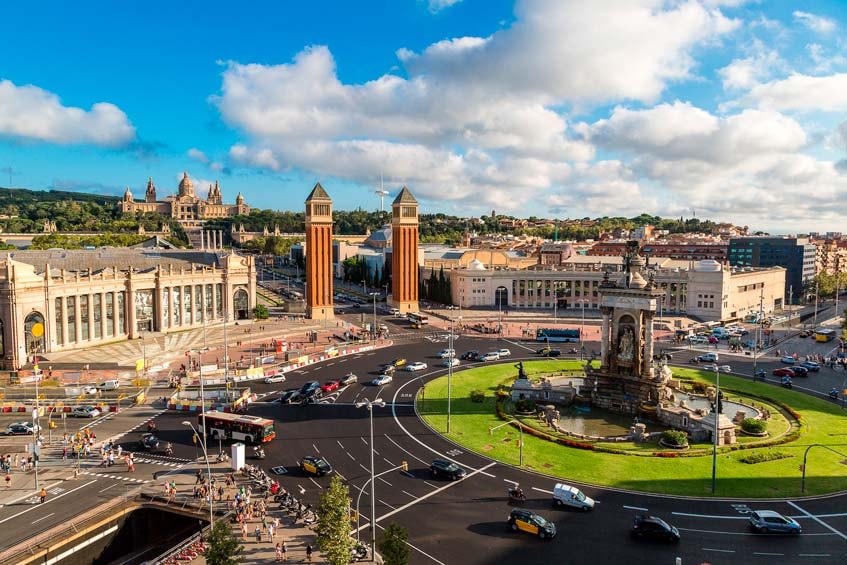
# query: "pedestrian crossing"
{"type": "Point", "coordinates": [115, 477]}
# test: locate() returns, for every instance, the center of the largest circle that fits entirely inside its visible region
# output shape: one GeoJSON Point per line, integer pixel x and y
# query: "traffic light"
{"type": "Point", "coordinates": [194, 439]}
{"type": "Point", "coordinates": [404, 465]}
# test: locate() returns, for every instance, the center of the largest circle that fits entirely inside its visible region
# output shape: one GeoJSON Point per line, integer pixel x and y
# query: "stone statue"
{"type": "Point", "coordinates": [521, 372]}
{"type": "Point", "coordinates": [625, 346]}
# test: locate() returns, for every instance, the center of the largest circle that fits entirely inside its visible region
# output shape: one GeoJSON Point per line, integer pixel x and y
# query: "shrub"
{"type": "Point", "coordinates": [525, 405]}
{"type": "Point", "coordinates": [762, 456]}
{"type": "Point", "coordinates": [674, 437]}
{"type": "Point", "coordinates": [699, 388]}
{"type": "Point", "coordinates": [753, 426]}
{"type": "Point", "coordinates": [478, 395]}
{"type": "Point", "coordinates": [503, 392]}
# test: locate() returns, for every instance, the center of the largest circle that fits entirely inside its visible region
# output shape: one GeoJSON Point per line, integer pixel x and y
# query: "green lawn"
{"type": "Point", "coordinates": [824, 423]}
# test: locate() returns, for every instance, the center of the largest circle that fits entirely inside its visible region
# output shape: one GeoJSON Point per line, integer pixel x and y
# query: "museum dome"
{"type": "Point", "coordinates": [476, 265]}
{"type": "Point", "coordinates": [186, 187]}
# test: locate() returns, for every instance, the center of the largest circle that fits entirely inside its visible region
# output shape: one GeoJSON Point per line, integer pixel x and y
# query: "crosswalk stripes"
{"type": "Point", "coordinates": [116, 477]}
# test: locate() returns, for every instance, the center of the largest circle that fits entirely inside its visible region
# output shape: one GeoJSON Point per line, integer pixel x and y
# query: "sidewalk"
{"type": "Point", "coordinates": [296, 536]}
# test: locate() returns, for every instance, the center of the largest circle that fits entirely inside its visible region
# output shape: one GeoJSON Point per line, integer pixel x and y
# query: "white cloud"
{"type": "Point", "coordinates": [30, 112]}
{"type": "Point", "coordinates": [197, 155]}
{"type": "Point", "coordinates": [801, 92]}
{"type": "Point", "coordinates": [818, 24]}
{"type": "Point", "coordinates": [742, 74]}
{"type": "Point", "coordinates": [438, 5]}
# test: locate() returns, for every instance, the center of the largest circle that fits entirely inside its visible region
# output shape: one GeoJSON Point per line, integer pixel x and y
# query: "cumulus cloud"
{"type": "Point", "coordinates": [29, 112]}
{"type": "Point", "coordinates": [802, 93]}
{"type": "Point", "coordinates": [818, 24]}
{"type": "Point", "coordinates": [435, 6]}
{"type": "Point", "coordinates": [197, 155]}
{"type": "Point", "coordinates": [744, 73]}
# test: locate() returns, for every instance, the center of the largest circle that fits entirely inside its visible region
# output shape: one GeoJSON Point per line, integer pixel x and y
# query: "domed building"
{"type": "Point", "coordinates": [185, 206]}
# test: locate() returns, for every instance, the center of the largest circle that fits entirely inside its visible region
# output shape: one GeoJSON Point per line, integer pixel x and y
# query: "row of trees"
{"type": "Point", "coordinates": [436, 288]}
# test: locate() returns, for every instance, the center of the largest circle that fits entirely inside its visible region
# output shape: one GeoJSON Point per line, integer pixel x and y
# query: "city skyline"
{"type": "Point", "coordinates": [726, 109]}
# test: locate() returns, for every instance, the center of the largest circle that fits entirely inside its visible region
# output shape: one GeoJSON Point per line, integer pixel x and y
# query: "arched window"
{"type": "Point", "coordinates": [34, 333]}
{"type": "Point", "coordinates": [241, 304]}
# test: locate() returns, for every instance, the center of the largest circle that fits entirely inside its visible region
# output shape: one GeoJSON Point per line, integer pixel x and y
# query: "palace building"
{"type": "Point", "coordinates": [59, 300]}
{"type": "Point", "coordinates": [185, 206]}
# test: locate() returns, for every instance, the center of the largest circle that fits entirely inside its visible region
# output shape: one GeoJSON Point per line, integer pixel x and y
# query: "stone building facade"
{"type": "Point", "coordinates": [66, 299]}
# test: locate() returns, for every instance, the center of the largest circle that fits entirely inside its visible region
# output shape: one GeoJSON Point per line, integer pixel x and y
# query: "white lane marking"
{"type": "Point", "coordinates": [814, 555]}
{"type": "Point", "coordinates": [42, 518]}
{"type": "Point", "coordinates": [350, 455]}
{"type": "Point", "coordinates": [740, 533]}
{"type": "Point", "coordinates": [317, 484]}
{"type": "Point", "coordinates": [385, 503]}
{"type": "Point", "coordinates": [550, 492]}
{"type": "Point", "coordinates": [819, 521]}
{"type": "Point", "coordinates": [51, 500]}
{"type": "Point", "coordinates": [108, 487]}
{"type": "Point", "coordinates": [386, 482]}
{"type": "Point", "coordinates": [365, 468]}
{"type": "Point", "coordinates": [408, 493]}
{"type": "Point", "coordinates": [718, 550]}
{"type": "Point", "coordinates": [363, 440]}
{"type": "Point", "coordinates": [636, 508]}
{"type": "Point", "coordinates": [316, 448]}
{"type": "Point", "coordinates": [430, 484]}
{"type": "Point", "coordinates": [712, 517]}
{"type": "Point", "coordinates": [764, 553]}
{"type": "Point", "coordinates": [377, 452]}
{"type": "Point", "coordinates": [390, 464]}
{"type": "Point", "coordinates": [339, 444]}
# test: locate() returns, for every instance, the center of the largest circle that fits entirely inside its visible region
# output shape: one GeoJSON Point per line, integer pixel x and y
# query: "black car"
{"type": "Point", "coordinates": [448, 469]}
{"type": "Point", "coordinates": [521, 520]}
{"type": "Point", "coordinates": [800, 371]}
{"type": "Point", "coordinates": [387, 369]}
{"type": "Point", "coordinates": [317, 466]}
{"type": "Point", "coordinates": [644, 526]}
{"type": "Point", "coordinates": [552, 353]}
{"type": "Point", "coordinates": [471, 355]}
{"type": "Point", "coordinates": [148, 442]}
{"type": "Point", "coordinates": [310, 391]}
{"type": "Point", "coordinates": [290, 396]}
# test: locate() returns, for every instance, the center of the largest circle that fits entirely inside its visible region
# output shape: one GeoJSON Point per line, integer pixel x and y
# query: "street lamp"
{"type": "Point", "coordinates": [373, 329]}
{"type": "Point", "coordinates": [450, 357]}
{"type": "Point", "coordinates": [717, 410]}
{"type": "Point", "coordinates": [369, 404]}
{"type": "Point", "coordinates": [583, 302]}
{"type": "Point", "coordinates": [208, 469]}
{"type": "Point", "coordinates": [199, 353]}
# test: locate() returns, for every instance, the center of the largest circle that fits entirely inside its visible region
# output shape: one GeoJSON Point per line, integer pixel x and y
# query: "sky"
{"type": "Point", "coordinates": [730, 110]}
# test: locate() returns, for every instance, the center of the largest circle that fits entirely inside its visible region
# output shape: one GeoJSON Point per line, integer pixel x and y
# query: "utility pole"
{"type": "Point", "coordinates": [758, 330]}
{"type": "Point", "coordinates": [815, 324]}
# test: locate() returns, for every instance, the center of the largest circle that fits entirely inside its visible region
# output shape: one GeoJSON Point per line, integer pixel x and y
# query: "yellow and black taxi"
{"type": "Point", "coordinates": [399, 362]}
{"type": "Point", "coordinates": [521, 520]}
{"type": "Point", "coordinates": [317, 466]}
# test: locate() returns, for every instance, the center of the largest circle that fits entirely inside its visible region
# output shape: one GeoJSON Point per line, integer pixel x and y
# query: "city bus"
{"type": "Point", "coordinates": [240, 427]}
{"type": "Point", "coordinates": [417, 320]}
{"type": "Point", "coordinates": [824, 335]}
{"type": "Point", "coordinates": [551, 334]}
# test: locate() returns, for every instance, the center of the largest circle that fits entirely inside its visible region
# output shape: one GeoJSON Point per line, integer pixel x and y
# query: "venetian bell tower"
{"type": "Point", "coordinates": [319, 255]}
{"type": "Point", "coordinates": [404, 252]}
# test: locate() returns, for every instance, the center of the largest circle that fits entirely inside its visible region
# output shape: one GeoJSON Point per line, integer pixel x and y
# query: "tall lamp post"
{"type": "Point", "coordinates": [208, 470]}
{"type": "Point", "coordinates": [717, 411]}
{"type": "Point", "coordinates": [582, 302]}
{"type": "Point", "coordinates": [450, 358]}
{"type": "Point", "coordinates": [369, 404]}
{"type": "Point", "coordinates": [373, 328]}
{"type": "Point", "coordinates": [758, 335]}
{"type": "Point", "coordinates": [199, 353]}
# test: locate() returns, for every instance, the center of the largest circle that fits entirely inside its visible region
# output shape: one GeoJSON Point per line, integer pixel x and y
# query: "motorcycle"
{"type": "Point", "coordinates": [359, 552]}
{"type": "Point", "coordinates": [517, 495]}
{"type": "Point", "coordinates": [169, 450]}
{"type": "Point", "coordinates": [833, 393]}
{"type": "Point", "coordinates": [786, 382]}
{"type": "Point", "coordinates": [760, 375]}
{"type": "Point", "coordinates": [222, 457]}
{"type": "Point", "coordinates": [258, 453]}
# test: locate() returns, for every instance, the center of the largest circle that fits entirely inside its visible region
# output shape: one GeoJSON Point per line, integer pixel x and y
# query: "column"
{"type": "Point", "coordinates": [604, 336]}
{"type": "Point", "coordinates": [91, 317]}
{"type": "Point", "coordinates": [78, 318]}
{"type": "Point", "coordinates": [215, 313]}
{"type": "Point", "coordinates": [102, 315]}
{"type": "Point", "coordinates": [65, 337]}
{"type": "Point", "coordinates": [202, 239]}
{"type": "Point", "coordinates": [115, 317]}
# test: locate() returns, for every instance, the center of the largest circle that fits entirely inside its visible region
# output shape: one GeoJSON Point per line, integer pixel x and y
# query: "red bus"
{"type": "Point", "coordinates": [241, 427]}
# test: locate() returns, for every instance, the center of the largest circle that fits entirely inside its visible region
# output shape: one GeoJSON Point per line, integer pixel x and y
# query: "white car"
{"type": "Point", "coordinates": [452, 362]}
{"type": "Point", "coordinates": [503, 352]}
{"type": "Point", "coordinates": [85, 412]}
{"type": "Point", "coordinates": [445, 353]}
{"type": "Point", "coordinates": [89, 389]}
{"type": "Point", "coordinates": [490, 356]}
{"type": "Point", "coordinates": [275, 379]}
{"type": "Point", "coordinates": [416, 366]}
{"type": "Point", "coordinates": [382, 380]}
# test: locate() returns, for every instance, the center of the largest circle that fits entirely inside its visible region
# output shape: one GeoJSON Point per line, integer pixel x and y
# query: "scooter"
{"type": "Point", "coordinates": [258, 452]}
{"type": "Point", "coordinates": [169, 450]}
{"type": "Point", "coordinates": [517, 495]}
{"type": "Point", "coordinates": [833, 393]}
{"type": "Point", "coordinates": [359, 552]}
{"type": "Point", "coordinates": [760, 375]}
{"type": "Point", "coordinates": [786, 382]}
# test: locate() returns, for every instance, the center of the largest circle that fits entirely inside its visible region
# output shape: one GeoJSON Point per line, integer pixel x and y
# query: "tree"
{"type": "Point", "coordinates": [333, 528]}
{"type": "Point", "coordinates": [260, 312]}
{"type": "Point", "coordinates": [223, 547]}
{"type": "Point", "coordinates": [392, 545]}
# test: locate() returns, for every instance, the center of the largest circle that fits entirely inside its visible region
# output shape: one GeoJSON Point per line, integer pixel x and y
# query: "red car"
{"type": "Point", "coordinates": [330, 386]}
{"type": "Point", "coordinates": [784, 372]}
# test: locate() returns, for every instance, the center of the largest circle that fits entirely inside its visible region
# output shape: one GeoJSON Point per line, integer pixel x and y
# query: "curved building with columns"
{"type": "Point", "coordinates": [58, 300]}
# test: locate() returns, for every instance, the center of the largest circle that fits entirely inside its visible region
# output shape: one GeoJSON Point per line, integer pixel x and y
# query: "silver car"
{"type": "Point", "coordinates": [85, 412]}
{"type": "Point", "coordinates": [766, 521]}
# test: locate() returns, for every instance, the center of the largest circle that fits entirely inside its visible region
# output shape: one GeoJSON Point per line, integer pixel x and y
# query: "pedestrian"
{"type": "Point", "coordinates": [284, 549]}
{"type": "Point", "coordinates": [271, 533]}
{"type": "Point", "coordinates": [131, 464]}
{"type": "Point", "coordinates": [258, 534]}
{"type": "Point", "coordinates": [309, 552]}
{"type": "Point", "coordinates": [43, 495]}
{"type": "Point", "coordinates": [198, 477]}
{"type": "Point", "coordinates": [8, 480]}
{"type": "Point", "coordinates": [64, 453]}
{"type": "Point", "coordinates": [244, 531]}
{"type": "Point", "coordinates": [278, 552]}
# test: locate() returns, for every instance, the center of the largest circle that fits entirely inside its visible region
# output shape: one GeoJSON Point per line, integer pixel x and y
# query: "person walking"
{"type": "Point", "coordinates": [258, 533]}
{"type": "Point", "coordinates": [309, 552]}
{"type": "Point", "coordinates": [43, 495]}
{"type": "Point", "coordinates": [8, 480]}
{"type": "Point", "coordinates": [278, 552]}
{"type": "Point", "coordinates": [284, 549]}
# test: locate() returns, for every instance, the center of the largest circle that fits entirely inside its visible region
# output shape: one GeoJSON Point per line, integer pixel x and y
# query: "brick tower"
{"type": "Point", "coordinates": [404, 252]}
{"type": "Point", "coordinates": [319, 255]}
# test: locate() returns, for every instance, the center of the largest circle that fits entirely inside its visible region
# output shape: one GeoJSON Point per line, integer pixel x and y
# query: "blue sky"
{"type": "Point", "coordinates": [556, 108]}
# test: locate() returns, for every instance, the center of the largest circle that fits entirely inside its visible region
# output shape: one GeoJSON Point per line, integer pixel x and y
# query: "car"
{"type": "Point", "coordinates": [18, 430]}
{"type": "Point", "coordinates": [330, 386]}
{"type": "Point", "coordinates": [712, 340]}
{"type": "Point", "coordinates": [811, 366]}
{"type": "Point", "coordinates": [521, 520]}
{"type": "Point", "coordinates": [788, 359]}
{"type": "Point", "coordinates": [452, 362]}
{"type": "Point", "coordinates": [783, 372]}
{"type": "Point", "coordinates": [416, 366]}
{"type": "Point", "coordinates": [348, 379]}
{"type": "Point", "coordinates": [708, 358]}
{"type": "Point", "coordinates": [89, 389]}
{"type": "Point", "coordinates": [503, 352]}
{"type": "Point", "coordinates": [85, 412]}
{"type": "Point", "coordinates": [470, 355]}
{"type": "Point", "coordinates": [399, 362]}
{"type": "Point", "coordinates": [542, 350]}
{"type": "Point", "coordinates": [490, 356]}
{"type": "Point", "coordinates": [552, 353]}
{"type": "Point", "coordinates": [566, 495]}
{"type": "Point", "coordinates": [805, 333]}
{"type": "Point", "coordinates": [382, 380]}
{"type": "Point", "coordinates": [697, 339]}
{"type": "Point", "coordinates": [148, 442]}
{"type": "Point", "coordinates": [710, 367]}
{"type": "Point", "coordinates": [387, 369]}
{"type": "Point", "coordinates": [317, 466]}
{"type": "Point", "coordinates": [800, 371]}
{"type": "Point", "coordinates": [766, 521]}
{"type": "Point", "coordinates": [26, 423]}
{"type": "Point", "coordinates": [445, 353]}
{"type": "Point", "coordinates": [275, 379]}
{"type": "Point", "coordinates": [644, 526]}
{"type": "Point", "coordinates": [290, 396]}
{"type": "Point", "coordinates": [726, 369]}
{"type": "Point", "coordinates": [447, 469]}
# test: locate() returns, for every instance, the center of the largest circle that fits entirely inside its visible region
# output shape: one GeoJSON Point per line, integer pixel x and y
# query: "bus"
{"type": "Point", "coordinates": [824, 335]}
{"type": "Point", "coordinates": [241, 427]}
{"type": "Point", "coordinates": [417, 320]}
{"type": "Point", "coordinates": [551, 334]}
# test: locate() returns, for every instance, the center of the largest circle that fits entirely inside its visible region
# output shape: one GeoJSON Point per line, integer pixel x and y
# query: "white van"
{"type": "Point", "coordinates": [108, 385]}
{"type": "Point", "coordinates": [566, 495]}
